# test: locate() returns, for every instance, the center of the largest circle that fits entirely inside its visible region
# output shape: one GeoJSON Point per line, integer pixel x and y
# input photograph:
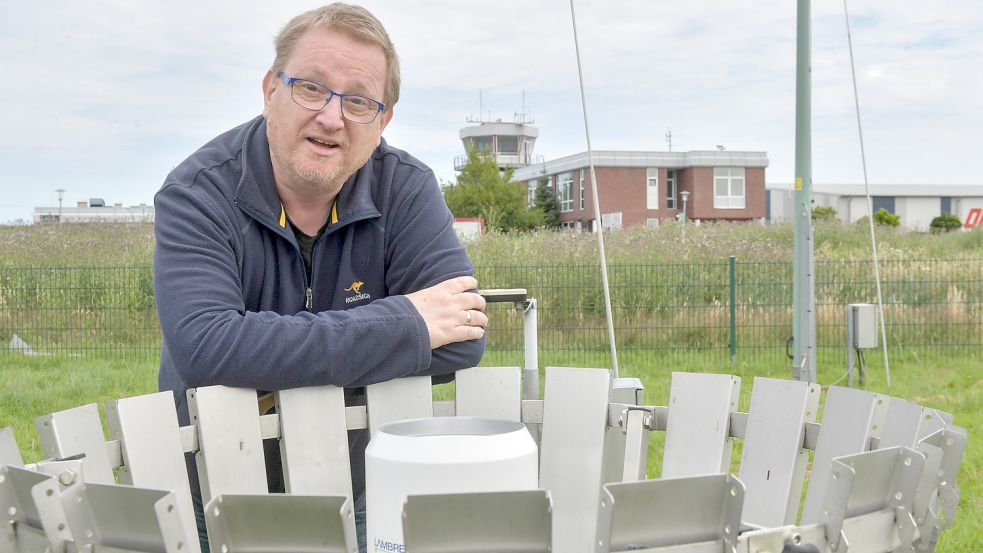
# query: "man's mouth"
{"type": "Point", "coordinates": [323, 142]}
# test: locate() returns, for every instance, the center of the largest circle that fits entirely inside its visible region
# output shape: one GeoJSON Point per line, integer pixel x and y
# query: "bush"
{"type": "Point", "coordinates": [886, 218]}
{"type": "Point", "coordinates": [882, 217]}
{"type": "Point", "coordinates": [824, 214]}
{"type": "Point", "coordinates": [945, 223]}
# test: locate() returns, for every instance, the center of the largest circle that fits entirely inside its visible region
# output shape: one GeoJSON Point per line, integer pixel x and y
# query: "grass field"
{"type": "Point", "coordinates": [953, 382]}
{"type": "Point", "coordinates": [34, 386]}
{"type": "Point", "coordinates": [115, 245]}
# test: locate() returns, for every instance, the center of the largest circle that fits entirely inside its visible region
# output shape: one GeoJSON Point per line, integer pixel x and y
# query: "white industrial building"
{"type": "Point", "coordinates": [95, 211]}
{"type": "Point", "coordinates": [916, 204]}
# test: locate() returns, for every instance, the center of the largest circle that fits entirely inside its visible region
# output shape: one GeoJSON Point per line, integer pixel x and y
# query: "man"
{"type": "Point", "coordinates": [300, 249]}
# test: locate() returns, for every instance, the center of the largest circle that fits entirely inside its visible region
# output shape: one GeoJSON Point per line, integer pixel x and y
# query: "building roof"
{"type": "Point", "coordinates": [501, 129]}
{"type": "Point", "coordinates": [958, 190]}
{"type": "Point", "coordinates": [621, 158]}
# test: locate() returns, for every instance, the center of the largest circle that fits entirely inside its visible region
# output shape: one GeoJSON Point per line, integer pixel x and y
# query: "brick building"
{"type": "Point", "coordinates": [638, 188]}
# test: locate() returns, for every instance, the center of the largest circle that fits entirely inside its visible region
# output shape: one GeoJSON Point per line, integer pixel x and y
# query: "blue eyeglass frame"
{"type": "Point", "coordinates": [288, 80]}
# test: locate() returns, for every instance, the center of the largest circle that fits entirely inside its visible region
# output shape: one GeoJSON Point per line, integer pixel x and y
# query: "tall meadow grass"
{"type": "Point", "coordinates": [670, 290]}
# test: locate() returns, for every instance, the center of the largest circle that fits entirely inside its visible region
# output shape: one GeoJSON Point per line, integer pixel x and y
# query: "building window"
{"type": "Point", "coordinates": [671, 189]}
{"type": "Point", "coordinates": [611, 221]}
{"type": "Point", "coordinates": [581, 189]}
{"type": "Point", "coordinates": [508, 144]}
{"type": "Point", "coordinates": [883, 202]}
{"type": "Point", "coordinates": [946, 204]}
{"type": "Point", "coordinates": [564, 191]}
{"type": "Point", "coordinates": [728, 188]}
{"type": "Point", "coordinates": [482, 143]}
{"type": "Point", "coordinates": [652, 188]}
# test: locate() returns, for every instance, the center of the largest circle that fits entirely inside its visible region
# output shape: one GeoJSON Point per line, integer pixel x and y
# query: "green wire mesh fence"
{"type": "Point", "coordinates": [686, 314]}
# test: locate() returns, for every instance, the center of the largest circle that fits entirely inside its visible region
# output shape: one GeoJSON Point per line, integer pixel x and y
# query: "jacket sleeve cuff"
{"type": "Point", "coordinates": [423, 354]}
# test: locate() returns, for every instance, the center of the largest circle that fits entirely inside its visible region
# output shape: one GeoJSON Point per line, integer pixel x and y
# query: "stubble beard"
{"type": "Point", "coordinates": [317, 177]}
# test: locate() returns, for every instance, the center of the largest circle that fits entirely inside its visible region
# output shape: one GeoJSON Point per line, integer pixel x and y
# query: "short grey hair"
{"type": "Point", "coordinates": [353, 20]}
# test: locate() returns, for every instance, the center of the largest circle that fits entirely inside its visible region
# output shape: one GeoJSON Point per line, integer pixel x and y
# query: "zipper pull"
{"type": "Point", "coordinates": [310, 299]}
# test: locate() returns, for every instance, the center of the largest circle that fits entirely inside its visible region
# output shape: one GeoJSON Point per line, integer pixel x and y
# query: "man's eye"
{"type": "Point", "coordinates": [309, 87]}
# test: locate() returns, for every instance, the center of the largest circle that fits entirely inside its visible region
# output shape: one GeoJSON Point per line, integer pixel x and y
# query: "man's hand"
{"type": "Point", "coordinates": [452, 313]}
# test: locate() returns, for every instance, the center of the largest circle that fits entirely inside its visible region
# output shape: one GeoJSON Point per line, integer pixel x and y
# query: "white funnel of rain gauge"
{"type": "Point", "coordinates": [441, 455]}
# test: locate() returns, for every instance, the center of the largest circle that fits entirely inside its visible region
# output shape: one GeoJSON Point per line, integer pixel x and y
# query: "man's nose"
{"type": "Point", "coordinates": [330, 115]}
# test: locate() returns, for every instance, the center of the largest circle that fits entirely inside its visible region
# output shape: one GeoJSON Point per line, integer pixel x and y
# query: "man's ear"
{"type": "Point", "coordinates": [384, 120]}
{"type": "Point", "coordinates": [269, 86]}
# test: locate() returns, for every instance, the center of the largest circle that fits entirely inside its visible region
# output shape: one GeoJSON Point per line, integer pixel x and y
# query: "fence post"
{"type": "Point", "coordinates": [733, 310]}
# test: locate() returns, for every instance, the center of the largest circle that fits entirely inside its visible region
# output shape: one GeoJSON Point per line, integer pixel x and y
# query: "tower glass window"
{"type": "Point", "coordinates": [482, 143]}
{"type": "Point", "coordinates": [508, 144]}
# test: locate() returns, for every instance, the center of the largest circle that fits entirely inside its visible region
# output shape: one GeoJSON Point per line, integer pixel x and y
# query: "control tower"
{"type": "Point", "coordinates": [510, 144]}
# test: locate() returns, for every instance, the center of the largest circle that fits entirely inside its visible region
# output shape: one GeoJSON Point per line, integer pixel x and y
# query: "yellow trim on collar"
{"type": "Point", "coordinates": [283, 215]}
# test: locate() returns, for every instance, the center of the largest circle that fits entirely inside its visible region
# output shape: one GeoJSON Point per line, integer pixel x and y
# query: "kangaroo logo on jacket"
{"type": "Point", "coordinates": [359, 296]}
{"type": "Point", "coordinates": [356, 287]}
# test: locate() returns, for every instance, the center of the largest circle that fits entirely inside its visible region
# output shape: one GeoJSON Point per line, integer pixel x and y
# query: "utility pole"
{"type": "Point", "coordinates": [803, 266]}
{"type": "Point", "coordinates": [61, 196]}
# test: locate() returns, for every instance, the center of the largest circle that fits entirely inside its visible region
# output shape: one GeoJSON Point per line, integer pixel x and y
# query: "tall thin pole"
{"type": "Point", "coordinates": [61, 195]}
{"type": "Point", "coordinates": [803, 267]}
{"type": "Point", "coordinates": [597, 205]}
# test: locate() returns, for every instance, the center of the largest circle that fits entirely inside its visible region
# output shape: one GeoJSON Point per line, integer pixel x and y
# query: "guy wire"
{"type": "Point", "coordinates": [870, 203]}
{"type": "Point", "coordinates": [597, 206]}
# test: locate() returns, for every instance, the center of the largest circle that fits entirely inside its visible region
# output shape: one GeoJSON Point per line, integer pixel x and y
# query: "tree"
{"type": "Point", "coordinates": [946, 222]}
{"type": "Point", "coordinates": [546, 202]}
{"type": "Point", "coordinates": [482, 191]}
{"type": "Point", "coordinates": [824, 214]}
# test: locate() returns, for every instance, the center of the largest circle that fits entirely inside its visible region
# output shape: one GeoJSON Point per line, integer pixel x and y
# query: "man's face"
{"type": "Point", "coordinates": [316, 151]}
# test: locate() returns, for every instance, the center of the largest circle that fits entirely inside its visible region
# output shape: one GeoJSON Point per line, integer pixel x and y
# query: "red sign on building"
{"type": "Point", "coordinates": [973, 218]}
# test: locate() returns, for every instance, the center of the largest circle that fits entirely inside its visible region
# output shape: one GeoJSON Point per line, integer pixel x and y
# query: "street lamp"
{"type": "Point", "coordinates": [685, 195]}
{"type": "Point", "coordinates": [61, 196]}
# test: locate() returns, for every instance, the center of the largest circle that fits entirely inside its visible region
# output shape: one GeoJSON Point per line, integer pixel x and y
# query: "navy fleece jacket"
{"type": "Point", "coordinates": [232, 292]}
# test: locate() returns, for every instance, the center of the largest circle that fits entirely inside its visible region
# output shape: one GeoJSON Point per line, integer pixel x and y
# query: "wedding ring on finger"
{"type": "Point", "coordinates": [467, 322]}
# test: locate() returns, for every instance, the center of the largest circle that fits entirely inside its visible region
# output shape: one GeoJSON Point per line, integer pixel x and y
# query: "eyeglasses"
{"type": "Point", "coordinates": [314, 96]}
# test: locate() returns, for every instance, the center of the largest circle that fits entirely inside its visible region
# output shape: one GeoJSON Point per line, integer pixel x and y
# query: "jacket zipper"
{"type": "Point", "coordinates": [309, 304]}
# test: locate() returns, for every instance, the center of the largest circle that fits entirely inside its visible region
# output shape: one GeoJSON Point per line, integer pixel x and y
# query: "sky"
{"type": "Point", "coordinates": [103, 98]}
